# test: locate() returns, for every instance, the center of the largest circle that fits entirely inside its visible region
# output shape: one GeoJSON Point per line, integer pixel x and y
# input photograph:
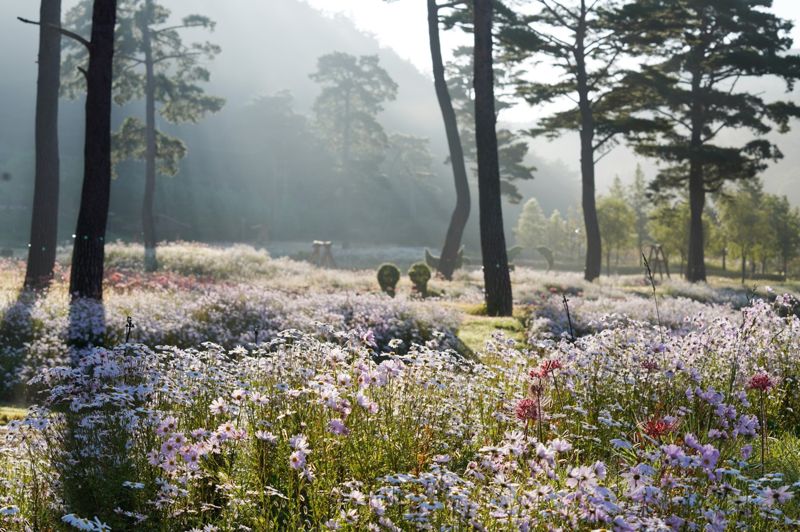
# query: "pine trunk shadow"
{"type": "Point", "coordinates": [16, 331]}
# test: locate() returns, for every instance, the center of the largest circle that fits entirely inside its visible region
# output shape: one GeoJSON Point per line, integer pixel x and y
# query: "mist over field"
{"type": "Point", "coordinates": [230, 152]}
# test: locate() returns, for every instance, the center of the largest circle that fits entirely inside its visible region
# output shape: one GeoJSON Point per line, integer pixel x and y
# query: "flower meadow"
{"type": "Point", "coordinates": [361, 412]}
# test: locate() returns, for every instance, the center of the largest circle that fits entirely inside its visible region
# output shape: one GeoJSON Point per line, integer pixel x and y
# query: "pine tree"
{"type": "Point", "coordinates": [152, 63]}
{"type": "Point", "coordinates": [497, 279]}
{"type": "Point", "coordinates": [692, 93]}
{"type": "Point", "coordinates": [576, 40]}
{"type": "Point", "coordinates": [88, 253]}
{"type": "Point", "coordinates": [44, 222]}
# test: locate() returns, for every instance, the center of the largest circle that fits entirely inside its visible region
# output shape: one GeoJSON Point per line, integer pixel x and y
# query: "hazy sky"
{"type": "Point", "coordinates": [402, 24]}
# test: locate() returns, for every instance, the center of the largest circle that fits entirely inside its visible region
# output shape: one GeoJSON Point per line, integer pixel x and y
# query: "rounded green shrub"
{"type": "Point", "coordinates": [420, 274]}
{"type": "Point", "coordinates": [388, 277]}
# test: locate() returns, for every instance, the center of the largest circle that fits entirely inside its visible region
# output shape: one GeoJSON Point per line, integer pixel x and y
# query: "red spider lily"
{"type": "Point", "coordinates": [527, 410]}
{"type": "Point", "coordinates": [545, 369]}
{"type": "Point", "coordinates": [761, 382]}
{"type": "Point", "coordinates": [658, 427]}
{"type": "Point", "coordinates": [650, 365]}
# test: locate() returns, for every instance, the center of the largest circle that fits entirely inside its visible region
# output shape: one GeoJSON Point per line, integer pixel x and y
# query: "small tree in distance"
{"type": "Point", "coordinates": [616, 225]}
{"type": "Point", "coordinates": [354, 90]}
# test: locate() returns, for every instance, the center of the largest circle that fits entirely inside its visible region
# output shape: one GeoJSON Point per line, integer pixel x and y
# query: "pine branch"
{"type": "Point", "coordinates": [62, 31]}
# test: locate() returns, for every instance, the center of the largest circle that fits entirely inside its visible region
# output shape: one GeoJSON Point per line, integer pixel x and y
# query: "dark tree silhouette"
{"type": "Point", "coordinates": [44, 223]}
{"type": "Point", "coordinates": [455, 231]}
{"type": "Point", "coordinates": [706, 48]}
{"type": "Point", "coordinates": [86, 278]}
{"type": "Point", "coordinates": [496, 276]}
{"type": "Point", "coordinates": [579, 43]}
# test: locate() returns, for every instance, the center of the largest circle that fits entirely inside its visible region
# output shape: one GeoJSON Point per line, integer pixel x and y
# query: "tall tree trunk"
{"type": "Point", "coordinates": [724, 256]}
{"type": "Point", "coordinates": [86, 279]}
{"type": "Point", "coordinates": [347, 133]}
{"type": "Point", "coordinates": [499, 301]}
{"type": "Point", "coordinates": [744, 265]}
{"type": "Point", "coordinates": [696, 267]}
{"type": "Point", "coordinates": [148, 219]}
{"type": "Point", "coordinates": [594, 251]}
{"type": "Point", "coordinates": [44, 222]}
{"type": "Point", "coordinates": [458, 220]}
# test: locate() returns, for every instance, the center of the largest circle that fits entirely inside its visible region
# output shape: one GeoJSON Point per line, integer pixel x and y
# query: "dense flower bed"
{"type": "Point", "coordinates": [34, 333]}
{"type": "Point", "coordinates": [590, 315]}
{"type": "Point", "coordinates": [630, 427]}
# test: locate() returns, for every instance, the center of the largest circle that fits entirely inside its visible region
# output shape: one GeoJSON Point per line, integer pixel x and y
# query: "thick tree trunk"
{"type": "Point", "coordinates": [148, 219]}
{"type": "Point", "coordinates": [696, 267]}
{"type": "Point", "coordinates": [44, 223]}
{"type": "Point", "coordinates": [496, 276]}
{"type": "Point", "coordinates": [86, 279]}
{"type": "Point", "coordinates": [594, 251]}
{"type": "Point", "coordinates": [458, 220]}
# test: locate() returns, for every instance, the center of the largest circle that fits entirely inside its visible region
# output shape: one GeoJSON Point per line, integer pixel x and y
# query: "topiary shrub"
{"type": "Point", "coordinates": [388, 277]}
{"type": "Point", "coordinates": [420, 274]}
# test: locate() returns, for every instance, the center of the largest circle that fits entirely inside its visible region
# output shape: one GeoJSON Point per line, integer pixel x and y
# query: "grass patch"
{"type": "Point", "coordinates": [784, 456]}
{"type": "Point", "coordinates": [10, 413]}
{"type": "Point", "coordinates": [476, 330]}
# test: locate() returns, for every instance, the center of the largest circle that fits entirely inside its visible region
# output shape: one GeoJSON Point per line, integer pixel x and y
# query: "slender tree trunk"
{"type": "Point", "coordinates": [594, 251]}
{"type": "Point", "coordinates": [744, 266]}
{"type": "Point", "coordinates": [86, 279]}
{"type": "Point", "coordinates": [724, 256]}
{"type": "Point", "coordinates": [499, 301]}
{"type": "Point", "coordinates": [148, 219]}
{"type": "Point", "coordinates": [696, 267]}
{"type": "Point", "coordinates": [44, 222]}
{"type": "Point", "coordinates": [455, 231]}
{"type": "Point", "coordinates": [608, 261]}
{"type": "Point", "coordinates": [347, 133]}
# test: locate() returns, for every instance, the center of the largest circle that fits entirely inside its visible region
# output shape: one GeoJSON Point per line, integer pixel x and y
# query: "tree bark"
{"type": "Point", "coordinates": [696, 265]}
{"type": "Point", "coordinates": [148, 219]}
{"type": "Point", "coordinates": [44, 222]}
{"type": "Point", "coordinates": [594, 250]}
{"type": "Point", "coordinates": [496, 276]}
{"type": "Point", "coordinates": [458, 221]}
{"type": "Point", "coordinates": [86, 279]}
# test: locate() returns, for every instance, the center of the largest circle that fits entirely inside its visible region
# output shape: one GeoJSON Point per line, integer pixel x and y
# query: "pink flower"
{"type": "Point", "coordinates": [761, 382]}
{"type": "Point", "coordinates": [527, 410]}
